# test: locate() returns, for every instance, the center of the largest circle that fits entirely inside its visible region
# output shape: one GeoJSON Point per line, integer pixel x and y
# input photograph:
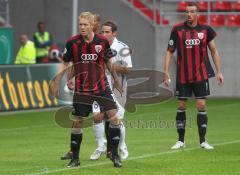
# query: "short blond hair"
{"type": "Point", "coordinates": [87, 15]}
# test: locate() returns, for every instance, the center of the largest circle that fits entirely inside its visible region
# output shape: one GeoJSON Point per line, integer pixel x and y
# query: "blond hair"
{"type": "Point", "coordinates": [87, 15]}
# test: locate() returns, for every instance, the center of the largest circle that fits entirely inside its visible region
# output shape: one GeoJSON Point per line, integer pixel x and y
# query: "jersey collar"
{"type": "Point", "coordinates": [191, 28]}
{"type": "Point", "coordinates": [115, 41]}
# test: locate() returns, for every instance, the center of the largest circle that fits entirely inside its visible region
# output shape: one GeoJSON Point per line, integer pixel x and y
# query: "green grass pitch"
{"type": "Point", "coordinates": [32, 143]}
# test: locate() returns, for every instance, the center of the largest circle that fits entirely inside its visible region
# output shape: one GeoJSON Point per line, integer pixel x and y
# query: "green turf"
{"type": "Point", "coordinates": [31, 143]}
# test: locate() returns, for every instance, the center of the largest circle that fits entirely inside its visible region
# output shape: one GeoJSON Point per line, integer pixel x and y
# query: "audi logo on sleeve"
{"type": "Point", "coordinates": [192, 42]}
{"type": "Point", "coordinates": [89, 57]}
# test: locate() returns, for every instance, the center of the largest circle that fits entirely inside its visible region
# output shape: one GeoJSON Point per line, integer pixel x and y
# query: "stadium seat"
{"type": "Point", "coordinates": [202, 19]}
{"type": "Point", "coordinates": [203, 6]}
{"type": "Point", "coordinates": [138, 4]}
{"type": "Point", "coordinates": [233, 20]}
{"type": "Point", "coordinates": [182, 6]}
{"type": "Point", "coordinates": [148, 12]}
{"type": "Point", "coordinates": [236, 6]}
{"type": "Point", "coordinates": [222, 6]}
{"type": "Point", "coordinates": [217, 20]}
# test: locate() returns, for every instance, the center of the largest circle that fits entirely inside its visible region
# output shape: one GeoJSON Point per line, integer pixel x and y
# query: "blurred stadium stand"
{"type": "Point", "coordinates": [4, 12]}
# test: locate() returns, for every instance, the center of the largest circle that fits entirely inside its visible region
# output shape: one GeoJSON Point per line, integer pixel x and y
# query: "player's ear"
{"type": "Point", "coordinates": [115, 33]}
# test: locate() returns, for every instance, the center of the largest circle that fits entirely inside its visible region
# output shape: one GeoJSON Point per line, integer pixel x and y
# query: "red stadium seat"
{"type": "Point", "coordinates": [202, 19]}
{"type": "Point", "coordinates": [182, 6]}
{"type": "Point", "coordinates": [203, 6]}
{"type": "Point", "coordinates": [222, 6]}
{"type": "Point", "coordinates": [138, 4]}
{"type": "Point", "coordinates": [150, 14]}
{"type": "Point", "coordinates": [217, 20]}
{"type": "Point", "coordinates": [236, 6]}
{"type": "Point", "coordinates": [233, 20]}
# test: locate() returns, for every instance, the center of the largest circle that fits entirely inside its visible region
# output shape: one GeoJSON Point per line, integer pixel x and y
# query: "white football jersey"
{"type": "Point", "coordinates": [122, 58]}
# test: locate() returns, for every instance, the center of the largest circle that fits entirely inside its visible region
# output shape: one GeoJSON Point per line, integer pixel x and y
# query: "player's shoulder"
{"type": "Point", "coordinates": [73, 39]}
{"type": "Point", "coordinates": [122, 43]}
{"type": "Point", "coordinates": [119, 44]}
{"type": "Point", "coordinates": [101, 37]}
{"type": "Point", "coordinates": [178, 26]}
{"type": "Point", "coordinates": [205, 27]}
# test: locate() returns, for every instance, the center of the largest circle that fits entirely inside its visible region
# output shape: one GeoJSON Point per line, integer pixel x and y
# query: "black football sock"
{"type": "Point", "coordinates": [114, 137]}
{"type": "Point", "coordinates": [76, 140]}
{"type": "Point", "coordinates": [202, 125]}
{"type": "Point", "coordinates": [181, 123]}
{"type": "Point", "coordinates": [107, 135]}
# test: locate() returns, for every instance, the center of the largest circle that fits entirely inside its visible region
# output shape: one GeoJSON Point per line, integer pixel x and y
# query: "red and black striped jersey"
{"type": "Point", "coordinates": [89, 60]}
{"type": "Point", "coordinates": [193, 64]}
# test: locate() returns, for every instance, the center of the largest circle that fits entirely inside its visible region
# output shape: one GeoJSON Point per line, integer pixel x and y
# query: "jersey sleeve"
{"type": "Point", "coordinates": [172, 41]}
{"type": "Point", "coordinates": [109, 53]}
{"type": "Point", "coordinates": [127, 58]}
{"type": "Point", "coordinates": [211, 34]}
{"type": "Point", "coordinates": [68, 52]}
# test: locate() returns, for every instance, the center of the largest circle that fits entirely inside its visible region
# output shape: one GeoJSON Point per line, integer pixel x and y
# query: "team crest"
{"type": "Point", "coordinates": [200, 35]}
{"type": "Point", "coordinates": [98, 48]}
{"type": "Point", "coordinates": [170, 42]}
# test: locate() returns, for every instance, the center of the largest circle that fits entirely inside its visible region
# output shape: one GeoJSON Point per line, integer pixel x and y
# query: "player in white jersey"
{"type": "Point", "coordinates": [124, 64]}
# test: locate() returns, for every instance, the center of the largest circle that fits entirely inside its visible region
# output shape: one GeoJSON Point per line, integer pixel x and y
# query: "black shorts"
{"type": "Point", "coordinates": [199, 89]}
{"type": "Point", "coordinates": [82, 103]}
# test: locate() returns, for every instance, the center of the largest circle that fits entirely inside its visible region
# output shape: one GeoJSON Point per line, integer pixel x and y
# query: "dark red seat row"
{"type": "Point", "coordinates": [148, 12]}
{"type": "Point", "coordinates": [221, 20]}
{"type": "Point", "coordinates": [221, 6]}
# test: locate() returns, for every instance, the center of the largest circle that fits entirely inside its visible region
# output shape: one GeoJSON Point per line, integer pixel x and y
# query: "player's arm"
{"type": "Point", "coordinates": [169, 55]}
{"type": "Point", "coordinates": [122, 69]}
{"type": "Point", "coordinates": [67, 58]}
{"type": "Point", "coordinates": [125, 65]}
{"type": "Point", "coordinates": [55, 83]}
{"type": "Point", "coordinates": [70, 75]}
{"type": "Point", "coordinates": [166, 67]}
{"type": "Point", "coordinates": [217, 61]}
{"type": "Point", "coordinates": [112, 69]}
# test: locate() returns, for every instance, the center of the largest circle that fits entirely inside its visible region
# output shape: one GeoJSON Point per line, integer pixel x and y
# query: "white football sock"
{"type": "Point", "coordinates": [98, 129]}
{"type": "Point", "coordinates": [122, 144]}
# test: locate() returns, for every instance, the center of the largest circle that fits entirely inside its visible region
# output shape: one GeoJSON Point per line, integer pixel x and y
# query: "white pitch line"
{"type": "Point", "coordinates": [27, 111]}
{"type": "Point", "coordinates": [131, 158]}
{"type": "Point", "coordinates": [25, 127]}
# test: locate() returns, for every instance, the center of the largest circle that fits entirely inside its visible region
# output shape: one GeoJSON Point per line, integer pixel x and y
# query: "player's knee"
{"type": "Point", "coordinates": [76, 127]}
{"type": "Point", "coordinates": [115, 120]}
{"type": "Point", "coordinates": [97, 117]}
{"type": "Point", "coordinates": [201, 105]}
{"type": "Point", "coordinates": [77, 124]}
{"type": "Point", "coordinates": [182, 105]}
{"type": "Point", "coordinates": [113, 117]}
{"type": "Point", "coordinates": [76, 130]}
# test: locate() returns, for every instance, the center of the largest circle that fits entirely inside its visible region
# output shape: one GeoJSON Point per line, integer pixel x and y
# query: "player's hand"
{"type": "Point", "coordinates": [54, 88]}
{"type": "Point", "coordinates": [118, 86]}
{"type": "Point", "coordinates": [220, 79]}
{"type": "Point", "coordinates": [70, 85]}
{"type": "Point", "coordinates": [166, 79]}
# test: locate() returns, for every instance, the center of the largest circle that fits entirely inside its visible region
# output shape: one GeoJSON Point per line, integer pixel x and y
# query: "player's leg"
{"type": "Point", "coordinates": [109, 106]}
{"type": "Point", "coordinates": [114, 136]}
{"type": "Point", "coordinates": [106, 130]}
{"type": "Point", "coordinates": [201, 90]}
{"type": "Point", "coordinates": [75, 143]}
{"type": "Point", "coordinates": [81, 112]}
{"type": "Point", "coordinates": [98, 128]}
{"type": "Point", "coordinates": [184, 91]}
{"type": "Point", "coordinates": [122, 144]}
{"type": "Point", "coordinates": [180, 124]}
